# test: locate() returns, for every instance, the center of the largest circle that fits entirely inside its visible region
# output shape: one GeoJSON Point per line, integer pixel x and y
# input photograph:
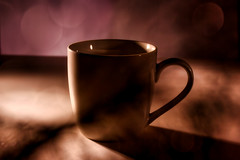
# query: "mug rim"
{"type": "Point", "coordinates": [149, 48]}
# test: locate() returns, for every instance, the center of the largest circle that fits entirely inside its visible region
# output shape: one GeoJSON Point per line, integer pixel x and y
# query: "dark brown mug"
{"type": "Point", "coordinates": [111, 84]}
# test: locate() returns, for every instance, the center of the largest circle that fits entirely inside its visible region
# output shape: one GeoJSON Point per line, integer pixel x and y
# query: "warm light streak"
{"type": "Point", "coordinates": [35, 98]}
{"type": "Point", "coordinates": [91, 47]}
{"type": "Point", "coordinates": [73, 145]}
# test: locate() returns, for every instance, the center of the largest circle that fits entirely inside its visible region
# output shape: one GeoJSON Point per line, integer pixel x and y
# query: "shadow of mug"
{"type": "Point", "coordinates": [111, 84]}
{"type": "Point", "coordinates": [158, 143]}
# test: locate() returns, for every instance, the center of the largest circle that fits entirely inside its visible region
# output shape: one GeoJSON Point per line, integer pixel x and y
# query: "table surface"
{"type": "Point", "coordinates": [37, 123]}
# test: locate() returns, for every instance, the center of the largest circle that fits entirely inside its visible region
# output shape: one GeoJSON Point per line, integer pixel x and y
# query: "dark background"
{"type": "Point", "coordinates": [180, 28]}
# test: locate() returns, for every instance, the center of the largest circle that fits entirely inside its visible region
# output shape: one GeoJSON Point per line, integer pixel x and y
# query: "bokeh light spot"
{"type": "Point", "coordinates": [208, 18]}
{"type": "Point", "coordinates": [38, 29]}
{"type": "Point", "coordinates": [69, 13]}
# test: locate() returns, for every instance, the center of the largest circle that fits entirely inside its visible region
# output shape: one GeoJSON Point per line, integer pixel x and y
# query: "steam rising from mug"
{"type": "Point", "coordinates": [111, 85]}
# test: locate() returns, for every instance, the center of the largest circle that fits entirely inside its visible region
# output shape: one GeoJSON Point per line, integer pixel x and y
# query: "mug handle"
{"type": "Point", "coordinates": [159, 67]}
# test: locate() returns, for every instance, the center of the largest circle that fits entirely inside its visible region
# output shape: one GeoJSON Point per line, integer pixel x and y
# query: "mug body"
{"type": "Point", "coordinates": [111, 85]}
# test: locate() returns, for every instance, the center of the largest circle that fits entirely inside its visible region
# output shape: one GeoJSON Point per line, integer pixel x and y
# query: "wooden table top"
{"type": "Point", "coordinates": [37, 123]}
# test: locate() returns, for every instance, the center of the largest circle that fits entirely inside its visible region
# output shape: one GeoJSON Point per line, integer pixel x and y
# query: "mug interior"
{"type": "Point", "coordinates": [112, 47]}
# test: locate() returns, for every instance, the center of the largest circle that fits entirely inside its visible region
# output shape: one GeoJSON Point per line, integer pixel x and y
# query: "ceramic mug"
{"type": "Point", "coordinates": [111, 85]}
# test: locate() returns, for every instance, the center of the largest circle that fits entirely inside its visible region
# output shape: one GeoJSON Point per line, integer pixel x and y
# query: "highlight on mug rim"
{"type": "Point", "coordinates": [112, 47]}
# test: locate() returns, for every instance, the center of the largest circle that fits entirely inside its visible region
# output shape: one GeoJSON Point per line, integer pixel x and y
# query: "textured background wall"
{"type": "Point", "coordinates": [183, 28]}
